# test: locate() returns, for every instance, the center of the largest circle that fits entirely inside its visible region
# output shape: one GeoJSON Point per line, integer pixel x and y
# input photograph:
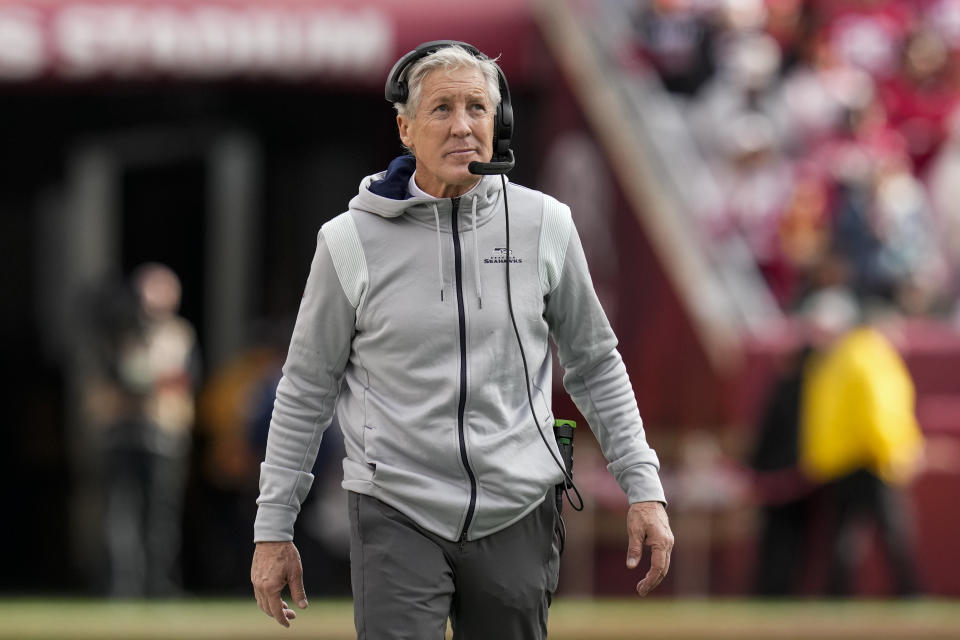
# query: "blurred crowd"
{"type": "Point", "coordinates": [833, 131]}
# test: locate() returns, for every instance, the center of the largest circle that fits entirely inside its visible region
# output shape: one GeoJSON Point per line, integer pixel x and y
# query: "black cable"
{"type": "Point", "coordinates": [526, 372]}
{"type": "Point", "coordinates": [561, 535]}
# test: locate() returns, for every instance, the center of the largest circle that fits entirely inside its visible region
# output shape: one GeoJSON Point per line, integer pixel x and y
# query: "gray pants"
{"type": "Point", "coordinates": [407, 581]}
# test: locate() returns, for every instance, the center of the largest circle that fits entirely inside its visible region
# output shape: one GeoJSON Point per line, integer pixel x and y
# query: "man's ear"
{"type": "Point", "coordinates": [403, 127]}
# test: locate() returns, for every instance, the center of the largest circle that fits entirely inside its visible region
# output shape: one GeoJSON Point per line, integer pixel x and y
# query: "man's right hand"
{"type": "Point", "coordinates": [275, 566]}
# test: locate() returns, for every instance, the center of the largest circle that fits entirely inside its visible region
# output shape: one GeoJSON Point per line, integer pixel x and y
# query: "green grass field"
{"type": "Point", "coordinates": [57, 619]}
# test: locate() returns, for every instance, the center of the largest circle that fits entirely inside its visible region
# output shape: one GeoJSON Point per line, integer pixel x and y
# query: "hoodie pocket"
{"type": "Point", "coordinates": [544, 411]}
{"type": "Point", "coordinates": [370, 450]}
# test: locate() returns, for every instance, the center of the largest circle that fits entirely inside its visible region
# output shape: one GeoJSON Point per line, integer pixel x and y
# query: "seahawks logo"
{"type": "Point", "coordinates": [500, 256]}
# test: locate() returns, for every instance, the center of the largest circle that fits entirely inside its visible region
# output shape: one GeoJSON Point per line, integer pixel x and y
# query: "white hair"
{"type": "Point", "coordinates": [447, 58]}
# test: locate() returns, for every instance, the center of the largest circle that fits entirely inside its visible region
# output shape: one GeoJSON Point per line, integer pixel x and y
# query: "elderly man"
{"type": "Point", "coordinates": [423, 307]}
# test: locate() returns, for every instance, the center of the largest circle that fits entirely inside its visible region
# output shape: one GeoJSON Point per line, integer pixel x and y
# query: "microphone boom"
{"type": "Point", "coordinates": [492, 168]}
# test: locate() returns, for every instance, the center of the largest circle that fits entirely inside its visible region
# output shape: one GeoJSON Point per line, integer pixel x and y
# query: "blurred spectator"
{"type": "Point", "coordinates": [234, 418]}
{"type": "Point", "coordinates": [784, 494]}
{"type": "Point", "coordinates": [790, 23]}
{"type": "Point", "coordinates": [235, 408]}
{"type": "Point", "coordinates": [142, 401]}
{"type": "Point", "coordinates": [233, 415]}
{"type": "Point", "coordinates": [943, 182]}
{"type": "Point", "coordinates": [943, 16]}
{"type": "Point", "coordinates": [804, 234]}
{"type": "Point", "coordinates": [707, 488]}
{"type": "Point", "coordinates": [859, 435]}
{"type": "Point", "coordinates": [920, 98]}
{"type": "Point", "coordinates": [868, 34]}
{"type": "Point", "coordinates": [676, 37]}
{"type": "Point", "coordinates": [819, 94]}
{"type": "Point", "coordinates": [758, 180]}
{"type": "Point", "coordinates": [887, 229]}
{"type": "Point", "coordinates": [745, 82]}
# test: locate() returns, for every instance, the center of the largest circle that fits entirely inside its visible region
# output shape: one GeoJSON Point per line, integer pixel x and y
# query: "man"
{"type": "Point", "coordinates": [860, 438]}
{"type": "Point", "coordinates": [407, 304]}
{"type": "Point", "coordinates": [143, 398]}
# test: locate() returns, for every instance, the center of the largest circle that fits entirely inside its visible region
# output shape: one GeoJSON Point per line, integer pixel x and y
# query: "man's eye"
{"type": "Point", "coordinates": [479, 106]}
{"type": "Point", "coordinates": [441, 108]}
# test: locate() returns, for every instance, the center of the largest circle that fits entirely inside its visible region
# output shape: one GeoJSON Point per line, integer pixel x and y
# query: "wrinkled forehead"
{"type": "Point", "coordinates": [462, 80]}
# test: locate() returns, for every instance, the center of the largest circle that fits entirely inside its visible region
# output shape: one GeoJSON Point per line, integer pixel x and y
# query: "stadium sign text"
{"type": "Point", "coordinates": [134, 40]}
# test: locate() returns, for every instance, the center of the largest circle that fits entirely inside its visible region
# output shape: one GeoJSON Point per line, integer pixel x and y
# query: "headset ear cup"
{"type": "Point", "coordinates": [503, 128]}
{"type": "Point", "coordinates": [503, 123]}
{"type": "Point", "coordinates": [400, 93]}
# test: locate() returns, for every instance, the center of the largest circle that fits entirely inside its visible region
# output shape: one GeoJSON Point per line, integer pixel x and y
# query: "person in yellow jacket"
{"type": "Point", "coordinates": [859, 434]}
{"type": "Point", "coordinates": [859, 411]}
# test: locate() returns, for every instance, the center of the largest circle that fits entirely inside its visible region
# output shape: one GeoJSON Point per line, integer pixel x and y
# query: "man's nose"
{"type": "Point", "coordinates": [460, 126]}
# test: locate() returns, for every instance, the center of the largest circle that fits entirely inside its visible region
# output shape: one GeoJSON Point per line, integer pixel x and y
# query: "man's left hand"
{"type": "Point", "coordinates": [647, 525]}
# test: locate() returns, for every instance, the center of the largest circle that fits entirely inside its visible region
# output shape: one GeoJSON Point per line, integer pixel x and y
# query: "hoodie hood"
{"type": "Point", "coordinates": [392, 183]}
{"type": "Point", "coordinates": [385, 194]}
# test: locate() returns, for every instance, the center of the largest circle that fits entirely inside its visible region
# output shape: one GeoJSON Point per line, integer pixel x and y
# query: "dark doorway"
{"type": "Point", "coordinates": [163, 213]}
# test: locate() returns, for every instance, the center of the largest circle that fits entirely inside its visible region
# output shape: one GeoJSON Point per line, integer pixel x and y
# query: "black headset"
{"type": "Point", "coordinates": [396, 90]}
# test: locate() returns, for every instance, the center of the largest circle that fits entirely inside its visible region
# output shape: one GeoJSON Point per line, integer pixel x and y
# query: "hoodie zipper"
{"type": "Point", "coordinates": [458, 262]}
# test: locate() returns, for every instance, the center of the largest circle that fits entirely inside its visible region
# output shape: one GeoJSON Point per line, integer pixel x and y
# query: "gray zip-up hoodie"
{"type": "Point", "coordinates": [404, 331]}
